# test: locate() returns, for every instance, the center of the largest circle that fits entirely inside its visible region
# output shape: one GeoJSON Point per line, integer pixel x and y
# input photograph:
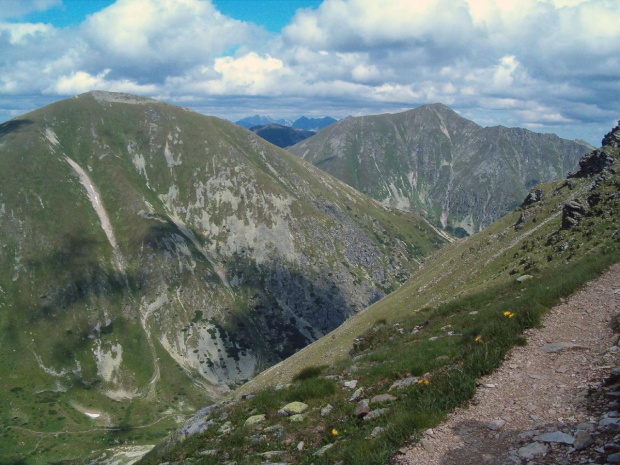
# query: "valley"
{"type": "Point", "coordinates": [155, 261]}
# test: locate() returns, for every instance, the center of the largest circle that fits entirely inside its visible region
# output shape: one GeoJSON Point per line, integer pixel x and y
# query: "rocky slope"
{"type": "Point", "coordinates": [432, 161]}
{"type": "Point", "coordinates": [152, 257]}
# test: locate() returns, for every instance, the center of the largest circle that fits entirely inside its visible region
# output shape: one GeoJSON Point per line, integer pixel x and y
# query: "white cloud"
{"type": "Point", "coordinates": [147, 33]}
{"type": "Point", "coordinates": [81, 81]}
{"type": "Point", "coordinates": [20, 33]}
{"type": "Point", "coordinates": [552, 63]}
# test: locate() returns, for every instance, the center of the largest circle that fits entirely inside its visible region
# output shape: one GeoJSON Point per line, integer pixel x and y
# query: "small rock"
{"type": "Point", "coordinates": [357, 395]}
{"type": "Point", "coordinates": [326, 410]}
{"type": "Point", "coordinates": [582, 440]}
{"type": "Point", "coordinates": [555, 437]}
{"type": "Point", "coordinates": [609, 423]}
{"type": "Point", "coordinates": [523, 278]}
{"type": "Point", "coordinates": [362, 408]}
{"type": "Point", "coordinates": [614, 458]}
{"type": "Point", "coordinates": [496, 425]}
{"type": "Point", "coordinates": [208, 452]}
{"type": "Point", "coordinates": [293, 408]}
{"type": "Point", "coordinates": [532, 450]}
{"type": "Point", "coordinates": [429, 432]}
{"type": "Point", "coordinates": [300, 446]}
{"type": "Point", "coordinates": [322, 450]}
{"type": "Point", "coordinates": [375, 414]}
{"type": "Point", "coordinates": [271, 454]}
{"type": "Point", "coordinates": [428, 446]}
{"type": "Point", "coordinates": [254, 419]}
{"type": "Point", "coordinates": [383, 398]}
{"type": "Point", "coordinates": [297, 417]}
{"type": "Point", "coordinates": [376, 432]}
{"type": "Point", "coordinates": [350, 384]}
{"type": "Point", "coordinates": [403, 383]}
{"type": "Point", "coordinates": [585, 427]}
{"type": "Point", "coordinates": [560, 346]}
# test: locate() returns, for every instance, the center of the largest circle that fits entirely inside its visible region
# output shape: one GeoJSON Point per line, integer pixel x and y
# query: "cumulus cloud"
{"type": "Point", "coordinates": [546, 64]}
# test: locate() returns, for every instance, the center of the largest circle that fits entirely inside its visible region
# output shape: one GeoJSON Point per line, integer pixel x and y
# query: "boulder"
{"type": "Point", "coordinates": [326, 410]}
{"type": "Point", "coordinates": [556, 437]}
{"type": "Point", "coordinates": [293, 408]}
{"type": "Point", "coordinates": [362, 408]}
{"type": "Point", "coordinates": [383, 398]}
{"type": "Point", "coordinates": [375, 414]}
{"type": "Point", "coordinates": [254, 420]}
{"type": "Point", "coordinates": [403, 383]}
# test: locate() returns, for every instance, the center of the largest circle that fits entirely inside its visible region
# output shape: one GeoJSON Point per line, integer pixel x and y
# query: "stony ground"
{"type": "Point", "coordinates": [552, 402]}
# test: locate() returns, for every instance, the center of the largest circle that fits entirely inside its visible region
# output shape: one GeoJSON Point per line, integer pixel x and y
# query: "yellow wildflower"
{"type": "Point", "coordinates": [334, 432]}
{"type": "Point", "coordinates": [478, 339]}
{"type": "Point", "coordinates": [509, 314]}
{"type": "Point", "coordinates": [426, 382]}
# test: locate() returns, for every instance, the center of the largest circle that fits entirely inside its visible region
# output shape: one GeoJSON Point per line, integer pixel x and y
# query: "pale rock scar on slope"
{"type": "Point", "coordinates": [106, 225]}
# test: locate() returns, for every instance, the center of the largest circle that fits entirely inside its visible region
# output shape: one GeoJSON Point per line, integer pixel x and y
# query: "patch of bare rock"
{"type": "Point", "coordinates": [554, 401]}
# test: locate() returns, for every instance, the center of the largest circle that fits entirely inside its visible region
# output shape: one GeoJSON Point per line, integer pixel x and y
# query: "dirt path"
{"type": "Point", "coordinates": [552, 385]}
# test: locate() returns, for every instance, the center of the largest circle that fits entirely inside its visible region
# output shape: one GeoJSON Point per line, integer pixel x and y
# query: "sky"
{"type": "Point", "coordinates": [546, 65]}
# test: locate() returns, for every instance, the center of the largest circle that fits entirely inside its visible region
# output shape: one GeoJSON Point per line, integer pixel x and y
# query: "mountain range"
{"type": "Point", "coordinates": [152, 258]}
{"type": "Point", "coordinates": [282, 136]}
{"type": "Point", "coordinates": [430, 160]}
{"type": "Point", "coordinates": [305, 123]}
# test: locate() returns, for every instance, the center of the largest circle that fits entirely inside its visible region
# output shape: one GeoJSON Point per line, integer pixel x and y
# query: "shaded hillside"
{"type": "Point", "coordinates": [282, 136]}
{"type": "Point", "coordinates": [153, 257]}
{"type": "Point", "coordinates": [432, 161]}
{"type": "Point", "coordinates": [398, 368]}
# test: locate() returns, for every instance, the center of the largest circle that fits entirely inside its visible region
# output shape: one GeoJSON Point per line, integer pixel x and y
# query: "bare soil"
{"type": "Point", "coordinates": [556, 383]}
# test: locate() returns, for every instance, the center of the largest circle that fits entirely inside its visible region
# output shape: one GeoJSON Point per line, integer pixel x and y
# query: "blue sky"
{"type": "Point", "coordinates": [273, 15]}
{"type": "Point", "coordinates": [547, 65]}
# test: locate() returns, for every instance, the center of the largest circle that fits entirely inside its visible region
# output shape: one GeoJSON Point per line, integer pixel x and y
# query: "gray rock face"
{"type": "Point", "coordinates": [431, 160]}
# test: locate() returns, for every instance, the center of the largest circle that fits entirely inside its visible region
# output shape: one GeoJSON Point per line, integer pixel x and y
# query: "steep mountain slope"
{"type": "Point", "coordinates": [151, 257]}
{"type": "Point", "coordinates": [432, 161]}
{"type": "Point", "coordinates": [282, 136]}
{"type": "Point", "coordinates": [396, 369]}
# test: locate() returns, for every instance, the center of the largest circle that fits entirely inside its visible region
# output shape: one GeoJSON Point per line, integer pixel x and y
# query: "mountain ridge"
{"type": "Point", "coordinates": [435, 162]}
{"type": "Point", "coordinates": [152, 258]}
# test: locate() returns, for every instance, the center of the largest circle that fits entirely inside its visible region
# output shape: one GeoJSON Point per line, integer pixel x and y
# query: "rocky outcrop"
{"type": "Point", "coordinates": [572, 213]}
{"type": "Point", "coordinates": [612, 138]}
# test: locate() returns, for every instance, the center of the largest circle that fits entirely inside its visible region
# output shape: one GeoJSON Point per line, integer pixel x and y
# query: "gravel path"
{"type": "Point", "coordinates": [552, 385]}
